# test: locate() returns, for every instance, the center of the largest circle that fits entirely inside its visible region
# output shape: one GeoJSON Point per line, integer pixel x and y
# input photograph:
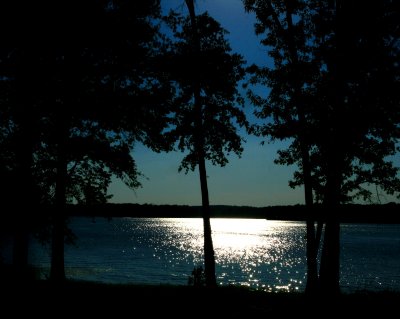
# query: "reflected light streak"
{"type": "Point", "coordinates": [250, 252]}
{"type": "Point", "coordinates": [238, 234]}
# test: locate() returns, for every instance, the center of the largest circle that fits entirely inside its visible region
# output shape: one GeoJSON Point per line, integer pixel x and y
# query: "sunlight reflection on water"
{"type": "Point", "coordinates": [251, 252]}
{"type": "Point", "coordinates": [268, 255]}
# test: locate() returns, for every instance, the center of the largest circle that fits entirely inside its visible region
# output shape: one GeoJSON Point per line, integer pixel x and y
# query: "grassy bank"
{"type": "Point", "coordinates": [141, 301]}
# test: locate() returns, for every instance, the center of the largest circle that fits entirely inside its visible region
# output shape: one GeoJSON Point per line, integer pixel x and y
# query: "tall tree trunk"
{"type": "Point", "coordinates": [209, 257]}
{"type": "Point", "coordinates": [69, 74]}
{"type": "Point", "coordinates": [312, 243]}
{"type": "Point", "coordinates": [330, 259]}
{"type": "Point", "coordinates": [57, 272]}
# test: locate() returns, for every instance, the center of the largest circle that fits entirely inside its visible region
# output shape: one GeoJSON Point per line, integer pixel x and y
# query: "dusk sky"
{"type": "Point", "coordinates": [253, 179]}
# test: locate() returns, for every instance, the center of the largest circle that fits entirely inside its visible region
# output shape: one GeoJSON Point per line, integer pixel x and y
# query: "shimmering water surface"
{"type": "Point", "coordinates": [253, 252]}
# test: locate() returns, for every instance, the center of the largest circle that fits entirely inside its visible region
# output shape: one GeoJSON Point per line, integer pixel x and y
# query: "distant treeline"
{"type": "Point", "coordinates": [385, 213]}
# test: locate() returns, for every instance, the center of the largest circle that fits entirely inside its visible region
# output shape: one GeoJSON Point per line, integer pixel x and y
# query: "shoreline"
{"type": "Point", "coordinates": [188, 301]}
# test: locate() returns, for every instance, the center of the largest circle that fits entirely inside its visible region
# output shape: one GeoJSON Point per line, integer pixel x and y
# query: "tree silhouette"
{"type": "Point", "coordinates": [113, 84]}
{"type": "Point", "coordinates": [207, 104]}
{"type": "Point", "coordinates": [287, 102]}
{"type": "Point", "coordinates": [358, 125]}
{"type": "Point", "coordinates": [90, 97]}
{"type": "Point", "coordinates": [350, 119]}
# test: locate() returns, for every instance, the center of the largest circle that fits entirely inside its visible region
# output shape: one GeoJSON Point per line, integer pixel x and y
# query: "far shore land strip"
{"type": "Point", "coordinates": [351, 213]}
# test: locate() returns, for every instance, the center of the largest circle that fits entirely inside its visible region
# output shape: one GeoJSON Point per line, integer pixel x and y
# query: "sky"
{"type": "Point", "coordinates": [253, 179]}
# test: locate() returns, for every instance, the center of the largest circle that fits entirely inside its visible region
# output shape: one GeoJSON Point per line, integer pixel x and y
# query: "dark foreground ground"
{"type": "Point", "coordinates": [79, 299]}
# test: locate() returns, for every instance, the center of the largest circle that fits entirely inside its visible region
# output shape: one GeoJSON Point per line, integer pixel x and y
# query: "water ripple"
{"type": "Point", "coordinates": [261, 254]}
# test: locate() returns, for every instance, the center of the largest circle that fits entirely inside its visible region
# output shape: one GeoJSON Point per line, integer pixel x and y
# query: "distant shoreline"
{"type": "Point", "coordinates": [352, 213]}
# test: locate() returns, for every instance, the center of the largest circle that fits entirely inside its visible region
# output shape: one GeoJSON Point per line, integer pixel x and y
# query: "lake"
{"type": "Point", "coordinates": [258, 253]}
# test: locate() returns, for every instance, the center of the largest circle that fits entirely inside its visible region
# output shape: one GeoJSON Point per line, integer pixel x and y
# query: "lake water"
{"type": "Point", "coordinates": [259, 253]}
